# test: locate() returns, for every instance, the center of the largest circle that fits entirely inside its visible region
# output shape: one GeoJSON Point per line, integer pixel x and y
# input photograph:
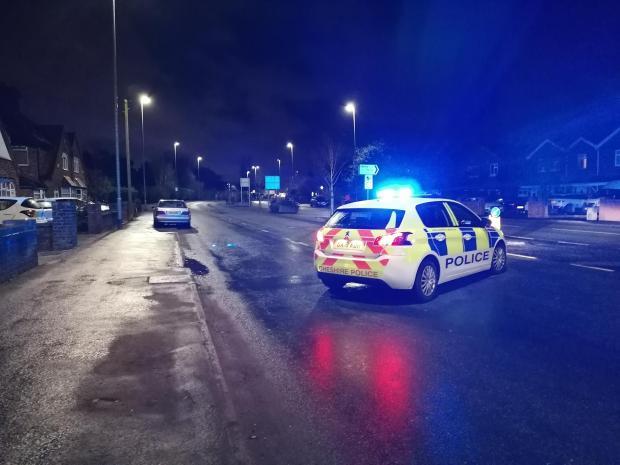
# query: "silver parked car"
{"type": "Point", "coordinates": [168, 212]}
{"type": "Point", "coordinates": [23, 208]}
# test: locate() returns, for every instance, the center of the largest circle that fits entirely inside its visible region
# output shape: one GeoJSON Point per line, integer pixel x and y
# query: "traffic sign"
{"type": "Point", "coordinates": [244, 182]}
{"type": "Point", "coordinates": [369, 169]}
{"type": "Point", "coordinates": [272, 182]}
{"type": "Point", "coordinates": [368, 182]}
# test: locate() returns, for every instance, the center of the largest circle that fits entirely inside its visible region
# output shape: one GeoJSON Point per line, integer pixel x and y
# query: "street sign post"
{"type": "Point", "coordinates": [372, 170]}
{"type": "Point", "coordinates": [244, 183]}
{"type": "Point", "coordinates": [368, 184]}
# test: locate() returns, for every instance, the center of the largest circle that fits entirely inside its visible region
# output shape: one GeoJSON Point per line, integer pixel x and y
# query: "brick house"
{"type": "Point", "coordinates": [9, 180]}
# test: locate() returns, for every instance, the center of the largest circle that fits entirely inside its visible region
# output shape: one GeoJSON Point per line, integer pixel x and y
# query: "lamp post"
{"type": "Point", "coordinates": [198, 160]}
{"type": "Point", "coordinates": [256, 168]}
{"type": "Point", "coordinates": [289, 145]}
{"type": "Point", "coordinates": [279, 165]}
{"type": "Point", "coordinates": [176, 175]}
{"type": "Point", "coordinates": [130, 211]}
{"type": "Point", "coordinates": [119, 203]}
{"type": "Point", "coordinates": [144, 100]}
{"type": "Point", "coordinates": [350, 108]}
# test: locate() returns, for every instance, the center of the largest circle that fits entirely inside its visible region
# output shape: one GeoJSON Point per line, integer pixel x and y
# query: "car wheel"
{"type": "Point", "coordinates": [498, 263]}
{"type": "Point", "coordinates": [426, 281]}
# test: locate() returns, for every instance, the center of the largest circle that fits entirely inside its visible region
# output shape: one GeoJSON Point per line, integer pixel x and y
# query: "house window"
{"type": "Point", "coordinates": [65, 192]}
{"type": "Point", "coordinates": [583, 161]}
{"type": "Point", "coordinates": [555, 165]}
{"type": "Point", "coordinates": [493, 169]}
{"type": "Point", "coordinates": [56, 193]}
{"type": "Point", "coordinates": [617, 159]}
{"type": "Point", "coordinates": [7, 188]}
{"type": "Point", "coordinates": [20, 154]}
{"type": "Point", "coordinates": [65, 162]}
{"type": "Point", "coordinates": [38, 194]}
{"type": "Point", "coordinates": [76, 165]}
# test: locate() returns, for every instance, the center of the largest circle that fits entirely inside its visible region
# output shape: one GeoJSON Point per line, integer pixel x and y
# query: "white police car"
{"type": "Point", "coordinates": [406, 243]}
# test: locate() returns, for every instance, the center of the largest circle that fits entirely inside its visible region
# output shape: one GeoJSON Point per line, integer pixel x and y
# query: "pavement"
{"type": "Point", "coordinates": [104, 359]}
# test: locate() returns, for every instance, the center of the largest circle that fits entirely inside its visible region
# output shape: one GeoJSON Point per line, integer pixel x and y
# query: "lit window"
{"type": "Point", "coordinates": [617, 160]}
{"type": "Point", "coordinates": [76, 164]}
{"type": "Point", "coordinates": [7, 188]}
{"type": "Point", "coordinates": [493, 169]}
{"type": "Point", "coordinates": [65, 162]}
{"type": "Point", "coordinates": [583, 161]}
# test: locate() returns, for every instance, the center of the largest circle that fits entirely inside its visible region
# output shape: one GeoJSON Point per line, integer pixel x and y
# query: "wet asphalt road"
{"type": "Point", "coordinates": [517, 368]}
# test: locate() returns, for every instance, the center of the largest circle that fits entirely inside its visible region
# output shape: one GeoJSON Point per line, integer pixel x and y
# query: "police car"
{"type": "Point", "coordinates": [406, 243]}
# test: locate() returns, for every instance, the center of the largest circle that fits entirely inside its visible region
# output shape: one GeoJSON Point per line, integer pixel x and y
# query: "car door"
{"type": "Point", "coordinates": [476, 245]}
{"type": "Point", "coordinates": [6, 212]}
{"type": "Point", "coordinates": [444, 237]}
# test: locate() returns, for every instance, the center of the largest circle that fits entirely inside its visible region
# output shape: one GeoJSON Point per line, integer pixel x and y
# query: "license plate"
{"type": "Point", "coordinates": [348, 245]}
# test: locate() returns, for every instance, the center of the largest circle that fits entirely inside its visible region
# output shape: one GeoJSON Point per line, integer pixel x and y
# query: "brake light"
{"type": "Point", "coordinates": [319, 235]}
{"type": "Point", "coordinates": [397, 239]}
{"type": "Point", "coordinates": [161, 212]}
{"type": "Point", "coordinates": [29, 213]}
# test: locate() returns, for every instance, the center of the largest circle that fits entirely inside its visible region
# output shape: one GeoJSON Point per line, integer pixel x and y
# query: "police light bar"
{"type": "Point", "coordinates": [392, 193]}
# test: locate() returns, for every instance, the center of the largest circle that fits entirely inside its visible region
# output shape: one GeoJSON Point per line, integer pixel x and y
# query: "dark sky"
{"type": "Point", "coordinates": [235, 80]}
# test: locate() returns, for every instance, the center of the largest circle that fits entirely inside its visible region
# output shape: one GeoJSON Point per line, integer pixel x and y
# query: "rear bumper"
{"type": "Point", "coordinates": [173, 219]}
{"type": "Point", "coordinates": [394, 271]}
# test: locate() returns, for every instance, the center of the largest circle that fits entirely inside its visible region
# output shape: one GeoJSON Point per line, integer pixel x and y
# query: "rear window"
{"type": "Point", "coordinates": [30, 203]}
{"type": "Point", "coordinates": [172, 204]}
{"type": "Point", "coordinates": [45, 204]}
{"type": "Point", "coordinates": [366, 218]}
{"type": "Point", "coordinates": [434, 215]}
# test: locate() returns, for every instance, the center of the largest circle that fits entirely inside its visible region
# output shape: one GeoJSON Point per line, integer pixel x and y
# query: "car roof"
{"type": "Point", "coordinates": [16, 198]}
{"type": "Point", "coordinates": [398, 204]}
{"type": "Point", "coordinates": [171, 200]}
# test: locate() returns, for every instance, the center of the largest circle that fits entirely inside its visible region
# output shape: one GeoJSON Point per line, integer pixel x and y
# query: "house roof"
{"type": "Point", "coordinates": [609, 137]}
{"type": "Point", "coordinates": [541, 145]}
{"type": "Point", "coordinates": [582, 139]}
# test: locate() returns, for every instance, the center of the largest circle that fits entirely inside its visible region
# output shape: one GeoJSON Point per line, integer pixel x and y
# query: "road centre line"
{"type": "Point", "coordinates": [265, 230]}
{"type": "Point", "coordinates": [515, 243]}
{"type": "Point", "coordinates": [297, 243]}
{"type": "Point", "coordinates": [517, 255]}
{"type": "Point", "coordinates": [573, 243]}
{"type": "Point", "coordinates": [587, 231]}
{"type": "Point", "coordinates": [598, 268]}
{"type": "Point", "coordinates": [519, 237]}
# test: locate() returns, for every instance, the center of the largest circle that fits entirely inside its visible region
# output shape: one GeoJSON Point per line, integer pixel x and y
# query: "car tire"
{"type": "Point", "coordinates": [498, 261]}
{"type": "Point", "coordinates": [426, 281]}
{"type": "Point", "coordinates": [333, 283]}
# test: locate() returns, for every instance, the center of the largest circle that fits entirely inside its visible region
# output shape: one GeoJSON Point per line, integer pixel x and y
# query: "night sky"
{"type": "Point", "coordinates": [235, 80]}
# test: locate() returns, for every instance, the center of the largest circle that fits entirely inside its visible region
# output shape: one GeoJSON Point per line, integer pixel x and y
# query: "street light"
{"type": "Point", "coordinates": [176, 175]}
{"type": "Point", "coordinates": [198, 160]}
{"type": "Point", "coordinates": [255, 168]}
{"type": "Point", "coordinates": [279, 163]}
{"type": "Point", "coordinates": [289, 145]}
{"type": "Point", "coordinates": [350, 108]}
{"type": "Point", "coordinates": [119, 202]}
{"type": "Point", "coordinates": [144, 100]}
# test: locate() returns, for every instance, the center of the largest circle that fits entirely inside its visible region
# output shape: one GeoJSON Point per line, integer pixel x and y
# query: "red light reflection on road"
{"type": "Point", "coordinates": [322, 358]}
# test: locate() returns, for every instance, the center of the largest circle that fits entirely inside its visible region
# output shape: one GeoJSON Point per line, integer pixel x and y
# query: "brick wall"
{"type": "Point", "coordinates": [44, 235]}
{"type": "Point", "coordinates": [18, 248]}
{"type": "Point", "coordinates": [64, 225]}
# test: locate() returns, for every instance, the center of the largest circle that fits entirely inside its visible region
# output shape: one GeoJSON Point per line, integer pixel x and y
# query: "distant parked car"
{"type": "Point", "coordinates": [171, 212]}
{"type": "Point", "coordinates": [22, 208]}
{"type": "Point", "coordinates": [283, 206]}
{"type": "Point", "coordinates": [318, 201]}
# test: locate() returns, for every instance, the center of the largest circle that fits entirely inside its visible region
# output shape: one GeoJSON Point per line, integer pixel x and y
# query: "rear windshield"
{"type": "Point", "coordinates": [366, 218]}
{"type": "Point", "coordinates": [45, 203]}
{"type": "Point", "coordinates": [172, 204]}
{"type": "Point", "coordinates": [31, 203]}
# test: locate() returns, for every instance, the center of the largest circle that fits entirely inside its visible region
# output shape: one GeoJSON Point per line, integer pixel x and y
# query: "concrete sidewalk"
{"type": "Point", "coordinates": [104, 358]}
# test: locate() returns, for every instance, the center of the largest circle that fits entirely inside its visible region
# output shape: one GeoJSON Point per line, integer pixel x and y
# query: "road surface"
{"type": "Point", "coordinates": [516, 368]}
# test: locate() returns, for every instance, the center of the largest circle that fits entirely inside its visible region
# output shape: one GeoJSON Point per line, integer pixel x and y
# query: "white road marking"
{"type": "Point", "coordinates": [572, 243]}
{"type": "Point", "coordinates": [587, 231]}
{"type": "Point", "coordinates": [526, 257]}
{"type": "Point", "coordinates": [297, 243]}
{"type": "Point", "coordinates": [598, 268]}
{"type": "Point", "coordinates": [515, 243]}
{"type": "Point", "coordinates": [265, 230]}
{"type": "Point", "coordinates": [521, 237]}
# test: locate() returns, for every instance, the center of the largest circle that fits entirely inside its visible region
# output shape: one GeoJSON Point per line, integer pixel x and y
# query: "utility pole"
{"type": "Point", "coordinates": [128, 156]}
{"type": "Point", "coordinates": [119, 202]}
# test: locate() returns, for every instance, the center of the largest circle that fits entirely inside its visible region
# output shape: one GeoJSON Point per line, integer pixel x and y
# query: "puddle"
{"type": "Point", "coordinates": [195, 266]}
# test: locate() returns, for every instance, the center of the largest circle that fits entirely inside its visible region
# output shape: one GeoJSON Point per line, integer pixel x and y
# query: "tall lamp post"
{"type": "Point", "coordinates": [198, 160]}
{"type": "Point", "coordinates": [119, 203]}
{"type": "Point", "coordinates": [289, 145]}
{"type": "Point", "coordinates": [176, 176]}
{"type": "Point", "coordinates": [350, 108]}
{"type": "Point", "coordinates": [279, 166]}
{"type": "Point", "coordinates": [144, 100]}
{"type": "Point", "coordinates": [256, 168]}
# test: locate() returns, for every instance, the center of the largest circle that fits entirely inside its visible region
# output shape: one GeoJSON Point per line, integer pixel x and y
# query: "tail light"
{"type": "Point", "coordinates": [160, 212]}
{"type": "Point", "coordinates": [397, 239]}
{"type": "Point", "coordinates": [29, 213]}
{"type": "Point", "coordinates": [319, 235]}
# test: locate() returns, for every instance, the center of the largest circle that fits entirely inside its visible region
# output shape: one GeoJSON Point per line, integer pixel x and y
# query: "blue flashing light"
{"type": "Point", "coordinates": [395, 192]}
